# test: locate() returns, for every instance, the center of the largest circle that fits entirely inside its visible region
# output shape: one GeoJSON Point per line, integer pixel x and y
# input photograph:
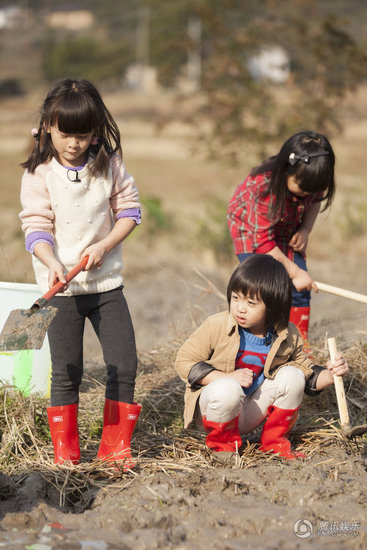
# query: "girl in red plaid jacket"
{"type": "Point", "coordinates": [273, 211]}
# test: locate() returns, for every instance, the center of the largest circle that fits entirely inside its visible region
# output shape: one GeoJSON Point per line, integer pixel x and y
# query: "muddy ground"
{"type": "Point", "coordinates": [274, 504]}
{"type": "Point", "coordinates": [253, 502]}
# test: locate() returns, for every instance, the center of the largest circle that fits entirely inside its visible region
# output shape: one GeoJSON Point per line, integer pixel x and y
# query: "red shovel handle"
{"type": "Point", "coordinates": [41, 302]}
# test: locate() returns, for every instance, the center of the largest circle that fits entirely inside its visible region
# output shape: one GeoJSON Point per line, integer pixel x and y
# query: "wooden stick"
{"type": "Point", "coordinates": [339, 389]}
{"type": "Point", "coordinates": [341, 292]}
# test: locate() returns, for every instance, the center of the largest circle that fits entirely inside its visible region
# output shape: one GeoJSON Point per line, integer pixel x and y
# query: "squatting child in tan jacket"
{"type": "Point", "coordinates": [248, 364]}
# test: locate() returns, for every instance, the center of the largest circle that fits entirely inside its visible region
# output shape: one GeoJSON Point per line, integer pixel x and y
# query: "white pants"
{"type": "Point", "coordinates": [223, 400]}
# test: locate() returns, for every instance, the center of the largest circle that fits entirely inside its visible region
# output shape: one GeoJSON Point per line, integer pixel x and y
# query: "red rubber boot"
{"type": "Point", "coordinates": [300, 316]}
{"type": "Point", "coordinates": [63, 421]}
{"type": "Point", "coordinates": [277, 425]}
{"type": "Point", "coordinates": [223, 436]}
{"type": "Point", "coordinates": [119, 421]}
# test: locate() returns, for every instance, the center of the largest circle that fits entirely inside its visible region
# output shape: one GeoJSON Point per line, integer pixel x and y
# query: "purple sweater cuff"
{"type": "Point", "coordinates": [38, 237]}
{"type": "Point", "coordinates": [133, 213]}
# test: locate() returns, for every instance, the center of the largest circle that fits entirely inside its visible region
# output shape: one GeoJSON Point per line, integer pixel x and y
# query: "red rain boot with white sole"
{"type": "Point", "coordinates": [63, 421]}
{"type": "Point", "coordinates": [222, 436]}
{"type": "Point", "coordinates": [300, 316]}
{"type": "Point", "coordinates": [277, 425]}
{"type": "Point", "coordinates": [119, 420]}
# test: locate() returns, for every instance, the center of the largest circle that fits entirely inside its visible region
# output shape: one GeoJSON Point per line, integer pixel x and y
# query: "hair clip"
{"type": "Point", "coordinates": [35, 133]}
{"type": "Point", "coordinates": [293, 158]}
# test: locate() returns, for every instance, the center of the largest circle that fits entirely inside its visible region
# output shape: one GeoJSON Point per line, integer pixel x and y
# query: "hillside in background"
{"type": "Point", "coordinates": [27, 29]}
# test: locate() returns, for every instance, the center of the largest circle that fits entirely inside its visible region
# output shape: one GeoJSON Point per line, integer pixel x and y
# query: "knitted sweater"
{"type": "Point", "coordinates": [76, 215]}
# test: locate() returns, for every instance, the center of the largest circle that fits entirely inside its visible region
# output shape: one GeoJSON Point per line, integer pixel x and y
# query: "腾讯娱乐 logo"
{"type": "Point", "coordinates": [303, 528]}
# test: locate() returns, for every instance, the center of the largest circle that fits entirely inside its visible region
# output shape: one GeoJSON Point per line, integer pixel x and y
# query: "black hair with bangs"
{"type": "Point", "coordinates": [261, 276]}
{"type": "Point", "coordinates": [76, 107]}
{"type": "Point", "coordinates": [309, 157]}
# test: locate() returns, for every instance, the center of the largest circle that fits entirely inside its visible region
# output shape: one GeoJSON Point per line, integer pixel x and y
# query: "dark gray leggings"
{"type": "Point", "coordinates": [109, 314]}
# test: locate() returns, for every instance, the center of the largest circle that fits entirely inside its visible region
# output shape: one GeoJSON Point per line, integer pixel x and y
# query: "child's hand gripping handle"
{"type": "Point", "coordinates": [41, 302]}
{"type": "Point", "coordinates": [339, 388]}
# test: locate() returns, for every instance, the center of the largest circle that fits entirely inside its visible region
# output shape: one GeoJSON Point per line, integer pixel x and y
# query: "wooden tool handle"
{"type": "Point", "coordinates": [339, 387]}
{"type": "Point", "coordinates": [41, 302]}
{"type": "Point", "coordinates": [341, 292]}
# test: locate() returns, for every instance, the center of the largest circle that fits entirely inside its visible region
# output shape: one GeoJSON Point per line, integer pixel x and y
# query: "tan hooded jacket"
{"type": "Point", "coordinates": [217, 342]}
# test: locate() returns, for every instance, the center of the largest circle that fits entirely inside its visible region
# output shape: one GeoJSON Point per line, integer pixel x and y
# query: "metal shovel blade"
{"type": "Point", "coordinates": [26, 328]}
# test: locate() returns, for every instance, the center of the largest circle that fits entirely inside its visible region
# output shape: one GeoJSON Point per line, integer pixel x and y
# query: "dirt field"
{"type": "Point", "coordinates": [179, 496]}
{"type": "Point", "coordinates": [225, 507]}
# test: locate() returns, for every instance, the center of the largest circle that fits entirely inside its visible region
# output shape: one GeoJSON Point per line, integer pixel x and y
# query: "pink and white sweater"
{"type": "Point", "coordinates": [73, 215]}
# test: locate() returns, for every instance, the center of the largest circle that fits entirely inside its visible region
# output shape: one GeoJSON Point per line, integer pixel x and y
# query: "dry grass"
{"type": "Point", "coordinates": [160, 444]}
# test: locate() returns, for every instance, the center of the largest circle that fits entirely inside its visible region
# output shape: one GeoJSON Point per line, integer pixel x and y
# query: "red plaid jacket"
{"type": "Point", "coordinates": [248, 217]}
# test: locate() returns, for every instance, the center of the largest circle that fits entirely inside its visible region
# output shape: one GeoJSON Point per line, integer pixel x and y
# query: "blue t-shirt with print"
{"type": "Point", "coordinates": [252, 355]}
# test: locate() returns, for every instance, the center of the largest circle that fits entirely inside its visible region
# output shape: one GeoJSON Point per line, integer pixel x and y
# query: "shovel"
{"type": "Point", "coordinates": [26, 328]}
{"type": "Point", "coordinates": [345, 426]}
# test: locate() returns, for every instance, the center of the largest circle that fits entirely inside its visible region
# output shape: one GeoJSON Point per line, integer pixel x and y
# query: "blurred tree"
{"type": "Point", "coordinates": [234, 112]}
{"type": "Point", "coordinates": [84, 57]}
{"type": "Point", "coordinates": [325, 61]}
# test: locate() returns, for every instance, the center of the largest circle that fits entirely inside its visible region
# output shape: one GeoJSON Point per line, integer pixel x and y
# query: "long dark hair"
{"type": "Point", "coordinates": [76, 107]}
{"type": "Point", "coordinates": [309, 157]}
{"type": "Point", "coordinates": [261, 276]}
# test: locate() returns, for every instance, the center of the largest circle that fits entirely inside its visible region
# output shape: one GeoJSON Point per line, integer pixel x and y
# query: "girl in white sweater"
{"type": "Point", "coordinates": [78, 200]}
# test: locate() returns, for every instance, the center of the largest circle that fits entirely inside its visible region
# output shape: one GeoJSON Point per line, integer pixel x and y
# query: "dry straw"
{"type": "Point", "coordinates": [160, 444]}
